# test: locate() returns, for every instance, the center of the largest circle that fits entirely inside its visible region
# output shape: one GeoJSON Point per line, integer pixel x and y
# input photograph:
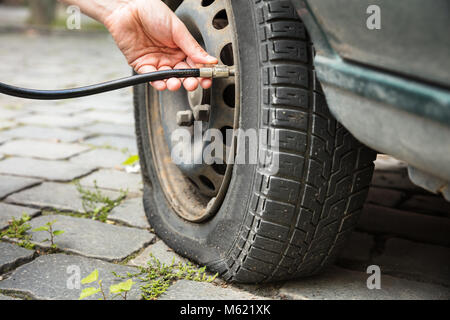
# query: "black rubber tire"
{"type": "Point", "coordinates": [272, 227]}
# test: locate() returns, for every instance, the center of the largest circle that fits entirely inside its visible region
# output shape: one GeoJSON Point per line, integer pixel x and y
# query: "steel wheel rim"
{"type": "Point", "coordinates": [184, 187]}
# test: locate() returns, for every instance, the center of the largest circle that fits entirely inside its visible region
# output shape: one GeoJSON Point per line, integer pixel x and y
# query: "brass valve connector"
{"type": "Point", "coordinates": [217, 72]}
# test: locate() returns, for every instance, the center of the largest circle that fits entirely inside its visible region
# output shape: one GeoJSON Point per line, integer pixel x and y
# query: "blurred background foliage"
{"type": "Point", "coordinates": [42, 12]}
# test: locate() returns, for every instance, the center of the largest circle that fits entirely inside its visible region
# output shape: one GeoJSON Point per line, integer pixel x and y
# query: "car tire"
{"type": "Point", "coordinates": [271, 226]}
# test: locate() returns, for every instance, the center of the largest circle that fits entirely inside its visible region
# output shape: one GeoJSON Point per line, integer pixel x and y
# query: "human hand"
{"type": "Point", "coordinates": [152, 38]}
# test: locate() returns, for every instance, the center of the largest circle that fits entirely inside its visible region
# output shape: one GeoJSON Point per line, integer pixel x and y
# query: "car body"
{"type": "Point", "coordinates": [389, 86]}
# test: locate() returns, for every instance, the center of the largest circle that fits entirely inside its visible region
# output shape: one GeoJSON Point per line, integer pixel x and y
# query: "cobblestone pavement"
{"type": "Point", "coordinates": [45, 146]}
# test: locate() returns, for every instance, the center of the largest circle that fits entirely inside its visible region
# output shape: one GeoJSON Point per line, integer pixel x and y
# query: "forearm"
{"type": "Point", "coordinates": [97, 9]}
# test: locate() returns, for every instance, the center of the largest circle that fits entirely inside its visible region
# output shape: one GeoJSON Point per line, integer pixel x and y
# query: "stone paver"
{"type": "Point", "coordinates": [125, 107]}
{"type": "Point", "coordinates": [61, 196]}
{"type": "Point", "coordinates": [9, 211]}
{"type": "Point", "coordinates": [385, 197]}
{"type": "Point", "coordinates": [121, 143]}
{"type": "Point", "coordinates": [101, 158]}
{"type": "Point", "coordinates": [62, 108]}
{"type": "Point", "coordinates": [53, 277]}
{"type": "Point", "coordinates": [112, 102]}
{"type": "Point", "coordinates": [55, 121]}
{"type": "Point", "coordinates": [92, 238]}
{"type": "Point", "coordinates": [396, 180]}
{"type": "Point", "coordinates": [415, 260]}
{"type": "Point", "coordinates": [6, 124]}
{"type": "Point", "coordinates": [11, 114]}
{"type": "Point", "coordinates": [419, 227]}
{"type": "Point", "coordinates": [12, 256]}
{"type": "Point", "coordinates": [435, 205]}
{"type": "Point", "coordinates": [41, 149]}
{"type": "Point", "coordinates": [193, 290]}
{"type": "Point", "coordinates": [45, 169]}
{"type": "Point", "coordinates": [116, 101]}
{"type": "Point", "coordinates": [112, 117]}
{"type": "Point", "coordinates": [10, 184]}
{"type": "Point", "coordinates": [130, 212]}
{"type": "Point", "coordinates": [4, 298]}
{"type": "Point", "coordinates": [357, 249]}
{"type": "Point", "coordinates": [110, 129]}
{"type": "Point", "coordinates": [338, 283]}
{"type": "Point", "coordinates": [3, 139]}
{"type": "Point", "coordinates": [160, 251]}
{"type": "Point", "coordinates": [114, 180]}
{"type": "Point", "coordinates": [45, 133]}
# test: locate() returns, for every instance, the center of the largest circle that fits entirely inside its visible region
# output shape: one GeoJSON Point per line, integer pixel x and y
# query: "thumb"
{"type": "Point", "coordinates": [186, 42]}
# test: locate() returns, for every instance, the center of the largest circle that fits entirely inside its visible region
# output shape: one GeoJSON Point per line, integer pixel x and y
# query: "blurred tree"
{"type": "Point", "coordinates": [42, 11]}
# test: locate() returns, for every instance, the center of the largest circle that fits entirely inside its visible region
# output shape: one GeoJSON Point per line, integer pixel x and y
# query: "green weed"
{"type": "Point", "coordinates": [17, 229]}
{"type": "Point", "coordinates": [96, 205]}
{"type": "Point", "coordinates": [48, 227]}
{"type": "Point", "coordinates": [115, 290]}
{"type": "Point", "coordinates": [157, 277]}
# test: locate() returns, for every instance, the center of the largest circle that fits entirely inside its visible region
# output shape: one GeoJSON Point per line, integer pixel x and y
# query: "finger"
{"type": "Point", "coordinates": [162, 84]}
{"type": "Point", "coordinates": [191, 83]}
{"type": "Point", "coordinates": [155, 84]}
{"type": "Point", "coordinates": [172, 84]}
{"type": "Point", "coordinates": [206, 83]}
{"type": "Point", "coordinates": [186, 42]}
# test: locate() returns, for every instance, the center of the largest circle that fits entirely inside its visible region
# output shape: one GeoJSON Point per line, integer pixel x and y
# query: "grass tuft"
{"type": "Point", "coordinates": [157, 277]}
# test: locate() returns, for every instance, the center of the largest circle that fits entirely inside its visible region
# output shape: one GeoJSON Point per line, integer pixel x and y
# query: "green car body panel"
{"type": "Point", "coordinates": [388, 86]}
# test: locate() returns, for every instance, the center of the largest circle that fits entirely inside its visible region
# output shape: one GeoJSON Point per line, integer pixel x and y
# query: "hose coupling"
{"type": "Point", "coordinates": [217, 72]}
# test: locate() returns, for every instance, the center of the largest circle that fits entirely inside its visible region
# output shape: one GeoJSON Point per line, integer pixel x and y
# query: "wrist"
{"type": "Point", "coordinates": [108, 7]}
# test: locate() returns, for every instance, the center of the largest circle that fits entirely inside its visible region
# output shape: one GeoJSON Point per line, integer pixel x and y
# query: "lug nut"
{"type": "Point", "coordinates": [185, 118]}
{"type": "Point", "coordinates": [201, 112]}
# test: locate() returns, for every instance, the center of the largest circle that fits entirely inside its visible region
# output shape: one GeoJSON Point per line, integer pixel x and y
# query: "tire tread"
{"type": "Point", "coordinates": [299, 217]}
